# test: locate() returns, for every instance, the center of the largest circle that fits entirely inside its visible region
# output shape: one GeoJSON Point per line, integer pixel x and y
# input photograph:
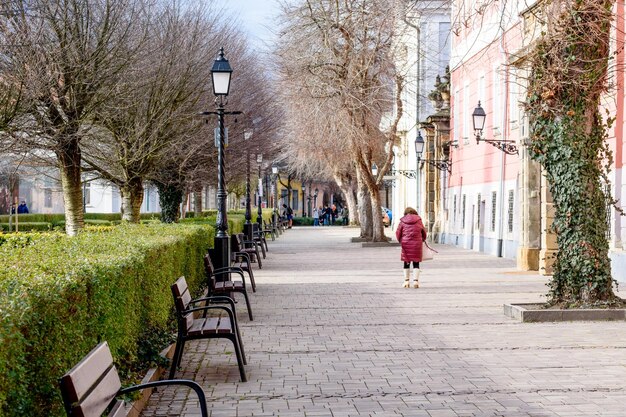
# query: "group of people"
{"type": "Point", "coordinates": [22, 208]}
{"type": "Point", "coordinates": [327, 215]}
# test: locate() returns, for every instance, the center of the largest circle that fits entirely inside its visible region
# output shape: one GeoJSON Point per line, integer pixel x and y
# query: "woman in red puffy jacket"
{"type": "Point", "coordinates": [411, 234]}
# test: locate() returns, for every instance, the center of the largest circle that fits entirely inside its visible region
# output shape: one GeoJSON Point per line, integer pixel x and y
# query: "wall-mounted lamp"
{"type": "Point", "coordinates": [440, 164]}
{"type": "Point", "coordinates": [478, 118]}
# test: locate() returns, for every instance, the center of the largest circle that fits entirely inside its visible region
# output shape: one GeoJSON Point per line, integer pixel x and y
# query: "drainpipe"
{"type": "Point", "coordinates": [505, 133]}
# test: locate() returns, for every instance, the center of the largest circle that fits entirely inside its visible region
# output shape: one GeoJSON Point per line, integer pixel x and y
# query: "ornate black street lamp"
{"type": "Point", "coordinates": [478, 118]}
{"type": "Point", "coordinates": [247, 227]}
{"type": "Point", "coordinates": [259, 212]}
{"type": "Point", "coordinates": [220, 76]}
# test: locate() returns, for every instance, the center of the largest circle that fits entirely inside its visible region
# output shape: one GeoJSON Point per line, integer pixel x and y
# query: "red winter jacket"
{"type": "Point", "coordinates": [411, 234]}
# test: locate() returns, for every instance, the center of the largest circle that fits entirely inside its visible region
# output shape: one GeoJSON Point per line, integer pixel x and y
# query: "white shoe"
{"type": "Point", "coordinates": [416, 277]}
{"type": "Point", "coordinates": [407, 282]}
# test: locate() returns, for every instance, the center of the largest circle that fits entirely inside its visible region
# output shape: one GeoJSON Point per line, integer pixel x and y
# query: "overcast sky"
{"type": "Point", "coordinates": [256, 16]}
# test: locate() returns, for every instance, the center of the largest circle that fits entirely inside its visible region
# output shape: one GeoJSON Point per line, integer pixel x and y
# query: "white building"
{"type": "Point", "coordinates": [424, 54]}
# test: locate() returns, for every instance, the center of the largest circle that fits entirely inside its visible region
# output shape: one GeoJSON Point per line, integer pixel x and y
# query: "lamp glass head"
{"type": "Point", "coordinates": [220, 75]}
{"type": "Point", "coordinates": [478, 118]}
{"type": "Point", "coordinates": [419, 144]}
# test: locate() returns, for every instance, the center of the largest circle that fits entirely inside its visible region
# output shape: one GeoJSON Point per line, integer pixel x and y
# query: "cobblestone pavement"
{"type": "Point", "coordinates": [335, 335]}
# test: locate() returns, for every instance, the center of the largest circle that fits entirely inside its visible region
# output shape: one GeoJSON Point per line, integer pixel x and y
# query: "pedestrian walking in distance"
{"type": "Point", "coordinates": [411, 234]}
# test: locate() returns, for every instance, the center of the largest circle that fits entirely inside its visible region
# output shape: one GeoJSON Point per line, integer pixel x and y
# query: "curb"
{"type": "Point", "coordinates": [379, 244]}
{"type": "Point", "coordinates": [135, 408]}
{"type": "Point", "coordinates": [524, 313]}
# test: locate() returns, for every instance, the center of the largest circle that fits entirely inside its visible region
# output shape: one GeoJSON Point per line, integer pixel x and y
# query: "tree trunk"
{"type": "Point", "coordinates": [378, 229]}
{"type": "Point", "coordinates": [352, 207]}
{"type": "Point", "coordinates": [197, 202]}
{"type": "Point", "coordinates": [170, 198]}
{"type": "Point", "coordinates": [365, 212]}
{"type": "Point", "coordinates": [69, 159]}
{"type": "Point", "coordinates": [132, 198]}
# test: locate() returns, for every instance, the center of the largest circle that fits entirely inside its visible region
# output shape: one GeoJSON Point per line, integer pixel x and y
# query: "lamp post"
{"type": "Point", "coordinates": [220, 76]}
{"type": "Point", "coordinates": [275, 178]}
{"type": "Point", "coordinates": [374, 170]}
{"type": "Point", "coordinates": [248, 227]}
{"type": "Point", "coordinates": [259, 212]}
{"type": "Point", "coordinates": [419, 149]}
{"type": "Point", "coordinates": [478, 119]}
{"type": "Point", "coordinates": [303, 199]}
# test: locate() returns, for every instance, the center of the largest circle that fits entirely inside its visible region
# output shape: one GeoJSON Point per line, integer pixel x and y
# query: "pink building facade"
{"type": "Point", "coordinates": [499, 203]}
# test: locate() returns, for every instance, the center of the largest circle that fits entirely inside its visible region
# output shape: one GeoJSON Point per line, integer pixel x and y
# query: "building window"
{"type": "Point", "coordinates": [47, 197]}
{"type": "Point", "coordinates": [86, 193]}
{"type": "Point", "coordinates": [510, 214]}
{"type": "Point", "coordinates": [463, 212]}
{"type": "Point", "coordinates": [467, 113]}
{"type": "Point", "coordinates": [497, 99]}
{"type": "Point", "coordinates": [454, 209]}
{"type": "Point", "coordinates": [493, 211]}
{"type": "Point", "coordinates": [478, 212]}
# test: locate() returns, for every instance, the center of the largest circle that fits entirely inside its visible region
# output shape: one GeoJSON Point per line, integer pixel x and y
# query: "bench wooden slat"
{"type": "Point", "coordinates": [179, 286]}
{"type": "Point", "coordinates": [196, 326]}
{"type": "Point", "coordinates": [118, 410]}
{"type": "Point", "coordinates": [185, 298]}
{"type": "Point", "coordinates": [189, 321]}
{"type": "Point", "coordinates": [210, 326]}
{"type": "Point", "coordinates": [79, 380]}
{"type": "Point", "coordinates": [97, 401]}
{"type": "Point", "coordinates": [228, 285]}
{"type": "Point", "coordinates": [224, 326]}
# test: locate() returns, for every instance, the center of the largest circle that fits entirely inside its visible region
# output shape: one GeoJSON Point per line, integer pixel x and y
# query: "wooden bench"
{"type": "Point", "coordinates": [91, 387]}
{"type": "Point", "coordinates": [225, 287]}
{"type": "Point", "coordinates": [239, 244]}
{"type": "Point", "coordinates": [192, 328]}
{"type": "Point", "coordinates": [269, 228]}
{"type": "Point", "coordinates": [259, 237]}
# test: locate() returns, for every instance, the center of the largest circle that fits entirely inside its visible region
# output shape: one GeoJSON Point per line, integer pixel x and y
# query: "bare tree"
{"type": "Point", "coordinates": [340, 55]}
{"type": "Point", "coordinates": [158, 98]}
{"type": "Point", "coordinates": [71, 54]}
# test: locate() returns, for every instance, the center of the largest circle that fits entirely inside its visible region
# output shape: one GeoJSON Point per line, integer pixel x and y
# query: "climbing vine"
{"type": "Point", "coordinates": [569, 70]}
{"type": "Point", "coordinates": [170, 198]}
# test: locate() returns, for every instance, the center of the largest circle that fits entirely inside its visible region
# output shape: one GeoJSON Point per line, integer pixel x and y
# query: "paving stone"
{"type": "Point", "coordinates": [335, 335]}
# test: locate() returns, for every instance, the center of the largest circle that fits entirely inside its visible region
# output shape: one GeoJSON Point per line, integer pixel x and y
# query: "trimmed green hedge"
{"type": "Point", "coordinates": [27, 226]}
{"type": "Point", "coordinates": [60, 296]}
{"type": "Point", "coordinates": [303, 221]}
{"type": "Point", "coordinates": [57, 218]}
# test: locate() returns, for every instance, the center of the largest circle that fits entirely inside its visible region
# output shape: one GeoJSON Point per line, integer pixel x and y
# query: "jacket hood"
{"type": "Point", "coordinates": [410, 219]}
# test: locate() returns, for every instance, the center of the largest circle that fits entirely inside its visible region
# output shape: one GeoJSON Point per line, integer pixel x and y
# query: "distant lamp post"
{"type": "Point", "coordinates": [259, 211]}
{"type": "Point", "coordinates": [220, 76]}
{"type": "Point", "coordinates": [303, 199]}
{"type": "Point", "coordinates": [419, 149]}
{"type": "Point", "coordinates": [315, 197]}
{"type": "Point", "coordinates": [275, 177]}
{"type": "Point", "coordinates": [248, 229]}
{"type": "Point", "coordinates": [478, 118]}
{"type": "Point", "coordinates": [440, 164]}
{"type": "Point", "coordinates": [374, 169]}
